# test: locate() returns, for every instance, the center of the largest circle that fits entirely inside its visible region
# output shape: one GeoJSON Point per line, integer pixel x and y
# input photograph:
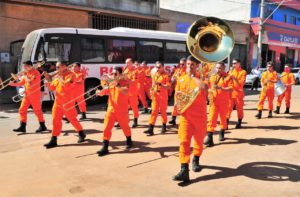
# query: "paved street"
{"type": "Point", "coordinates": [261, 159]}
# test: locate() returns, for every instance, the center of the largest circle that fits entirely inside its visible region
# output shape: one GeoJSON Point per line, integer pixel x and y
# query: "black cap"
{"type": "Point", "coordinates": [28, 63]}
{"type": "Point", "coordinates": [119, 69]}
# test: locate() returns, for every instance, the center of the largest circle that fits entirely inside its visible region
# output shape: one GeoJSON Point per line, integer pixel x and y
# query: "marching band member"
{"type": "Point", "coordinates": [288, 79]}
{"type": "Point", "coordinates": [179, 71]}
{"type": "Point", "coordinates": [80, 75]}
{"type": "Point", "coordinates": [131, 74]}
{"type": "Point", "coordinates": [141, 78]}
{"type": "Point", "coordinates": [62, 84]}
{"type": "Point", "coordinates": [148, 80]}
{"type": "Point", "coordinates": [238, 78]}
{"type": "Point", "coordinates": [268, 80]}
{"type": "Point", "coordinates": [159, 92]}
{"type": "Point", "coordinates": [192, 122]}
{"type": "Point", "coordinates": [32, 82]}
{"type": "Point", "coordinates": [219, 89]}
{"type": "Point", "coordinates": [117, 109]}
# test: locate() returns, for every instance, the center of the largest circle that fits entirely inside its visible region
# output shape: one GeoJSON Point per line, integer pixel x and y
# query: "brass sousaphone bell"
{"type": "Point", "coordinates": [209, 40]}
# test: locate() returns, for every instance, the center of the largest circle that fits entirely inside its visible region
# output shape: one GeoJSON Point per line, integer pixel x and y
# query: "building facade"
{"type": "Point", "coordinates": [281, 33]}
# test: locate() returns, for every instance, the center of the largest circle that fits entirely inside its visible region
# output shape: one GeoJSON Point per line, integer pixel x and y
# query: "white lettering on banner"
{"type": "Point", "coordinates": [288, 39]}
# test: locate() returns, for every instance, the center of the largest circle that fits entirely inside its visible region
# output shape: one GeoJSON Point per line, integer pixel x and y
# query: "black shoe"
{"type": "Point", "coordinates": [83, 116]}
{"type": "Point", "coordinates": [135, 123]}
{"type": "Point", "coordinates": [52, 143]}
{"type": "Point", "coordinates": [164, 128]}
{"type": "Point", "coordinates": [258, 115]}
{"type": "Point", "coordinates": [277, 111]}
{"type": "Point", "coordinates": [104, 150]}
{"type": "Point", "coordinates": [146, 111]}
{"type": "Point", "coordinates": [221, 135]}
{"type": "Point", "coordinates": [128, 142]}
{"type": "Point", "coordinates": [81, 136]}
{"type": "Point", "coordinates": [287, 110]}
{"type": "Point", "coordinates": [41, 128]}
{"type": "Point", "coordinates": [173, 120]}
{"type": "Point", "coordinates": [209, 142]}
{"type": "Point", "coordinates": [117, 125]}
{"type": "Point", "coordinates": [183, 175]}
{"type": "Point", "coordinates": [150, 129]}
{"type": "Point", "coordinates": [22, 128]}
{"type": "Point", "coordinates": [270, 114]}
{"type": "Point", "coordinates": [195, 164]}
{"type": "Point", "coordinates": [239, 124]}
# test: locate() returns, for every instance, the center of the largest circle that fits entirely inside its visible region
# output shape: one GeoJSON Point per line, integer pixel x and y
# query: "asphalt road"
{"type": "Point", "coordinates": [261, 159]}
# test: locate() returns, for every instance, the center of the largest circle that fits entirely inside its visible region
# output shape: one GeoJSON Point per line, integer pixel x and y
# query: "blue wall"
{"type": "Point", "coordinates": [278, 14]}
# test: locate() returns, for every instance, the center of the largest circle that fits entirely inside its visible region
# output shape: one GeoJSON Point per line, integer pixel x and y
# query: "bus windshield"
{"type": "Point", "coordinates": [27, 49]}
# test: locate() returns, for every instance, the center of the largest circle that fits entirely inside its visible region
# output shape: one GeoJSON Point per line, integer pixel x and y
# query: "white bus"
{"type": "Point", "coordinates": [100, 50]}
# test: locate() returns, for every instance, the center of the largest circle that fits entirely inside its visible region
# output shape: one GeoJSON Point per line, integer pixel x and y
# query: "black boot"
{"type": "Point", "coordinates": [150, 129]}
{"type": "Point", "coordinates": [183, 175]}
{"type": "Point", "coordinates": [173, 120]}
{"type": "Point", "coordinates": [83, 116]}
{"type": "Point", "coordinates": [270, 114]}
{"type": "Point", "coordinates": [277, 111]}
{"type": "Point", "coordinates": [258, 115]}
{"type": "Point", "coordinates": [209, 140]}
{"type": "Point", "coordinates": [117, 125]}
{"type": "Point", "coordinates": [41, 128]}
{"type": "Point", "coordinates": [239, 124]}
{"type": "Point", "coordinates": [52, 143]}
{"type": "Point", "coordinates": [146, 111]}
{"type": "Point", "coordinates": [164, 128]}
{"type": "Point", "coordinates": [22, 128]}
{"type": "Point", "coordinates": [128, 142]}
{"type": "Point", "coordinates": [66, 120]}
{"type": "Point", "coordinates": [81, 136]}
{"type": "Point", "coordinates": [287, 110]}
{"type": "Point", "coordinates": [135, 123]}
{"type": "Point", "coordinates": [195, 164]}
{"type": "Point", "coordinates": [104, 150]}
{"type": "Point", "coordinates": [221, 135]}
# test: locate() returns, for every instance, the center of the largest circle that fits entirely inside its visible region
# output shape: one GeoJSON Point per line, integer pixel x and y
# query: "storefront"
{"type": "Point", "coordinates": [281, 44]}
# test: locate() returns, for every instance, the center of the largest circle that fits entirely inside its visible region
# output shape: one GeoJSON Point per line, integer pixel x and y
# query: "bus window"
{"type": "Point", "coordinates": [150, 51]}
{"type": "Point", "coordinates": [119, 50]}
{"type": "Point", "coordinates": [92, 50]}
{"type": "Point", "coordinates": [174, 51]}
{"type": "Point", "coordinates": [57, 51]}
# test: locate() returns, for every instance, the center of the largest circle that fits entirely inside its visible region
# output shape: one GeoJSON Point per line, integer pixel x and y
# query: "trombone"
{"type": "Point", "coordinates": [15, 77]}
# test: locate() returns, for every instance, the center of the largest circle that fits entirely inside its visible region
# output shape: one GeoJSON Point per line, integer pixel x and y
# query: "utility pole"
{"type": "Point", "coordinates": [260, 33]}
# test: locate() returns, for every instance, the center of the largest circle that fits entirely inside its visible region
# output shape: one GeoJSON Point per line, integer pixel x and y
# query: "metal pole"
{"type": "Point", "coordinates": [259, 40]}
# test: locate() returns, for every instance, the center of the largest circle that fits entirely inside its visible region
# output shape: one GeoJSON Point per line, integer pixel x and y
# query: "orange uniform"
{"type": "Point", "coordinates": [64, 87]}
{"type": "Point", "coordinates": [237, 95]}
{"type": "Point", "coordinates": [141, 78]}
{"type": "Point", "coordinates": [148, 82]}
{"type": "Point", "coordinates": [192, 122]}
{"type": "Point", "coordinates": [219, 101]}
{"type": "Point", "coordinates": [132, 90]}
{"type": "Point", "coordinates": [32, 82]}
{"type": "Point", "coordinates": [287, 78]}
{"type": "Point", "coordinates": [79, 90]}
{"type": "Point", "coordinates": [117, 109]}
{"type": "Point", "coordinates": [269, 92]}
{"type": "Point", "coordinates": [159, 92]}
{"type": "Point", "coordinates": [177, 73]}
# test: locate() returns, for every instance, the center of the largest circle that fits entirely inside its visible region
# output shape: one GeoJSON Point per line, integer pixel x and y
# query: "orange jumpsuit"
{"type": "Point", "coordinates": [269, 93]}
{"type": "Point", "coordinates": [132, 91]}
{"type": "Point", "coordinates": [192, 122]}
{"type": "Point", "coordinates": [287, 78]}
{"type": "Point", "coordinates": [178, 73]}
{"type": "Point", "coordinates": [148, 82]}
{"type": "Point", "coordinates": [159, 97]}
{"type": "Point", "coordinates": [237, 95]}
{"type": "Point", "coordinates": [141, 77]}
{"type": "Point", "coordinates": [219, 103]}
{"type": "Point", "coordinates": [117, 109]}
{"type": "Point", "coordinates": [79, 90]}
{"type": "Point", "coordinates": [32, 82]}
{"type": "Point", "coordinates": [64, 87]}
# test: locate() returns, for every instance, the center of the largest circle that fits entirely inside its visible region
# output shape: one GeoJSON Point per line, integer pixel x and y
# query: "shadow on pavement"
{"type": "Point", "coordinates": [259, 141]}
{"type": "Point", "coordinates": [264, 171]}
{"type": "Point", "coordinates": [274, 127]}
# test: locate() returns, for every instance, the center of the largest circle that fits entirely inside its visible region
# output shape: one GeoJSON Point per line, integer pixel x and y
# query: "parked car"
{"type": "Point", "coordinates": [253, 78]}
{"type": "Point", "coordinates": [296, 72]}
